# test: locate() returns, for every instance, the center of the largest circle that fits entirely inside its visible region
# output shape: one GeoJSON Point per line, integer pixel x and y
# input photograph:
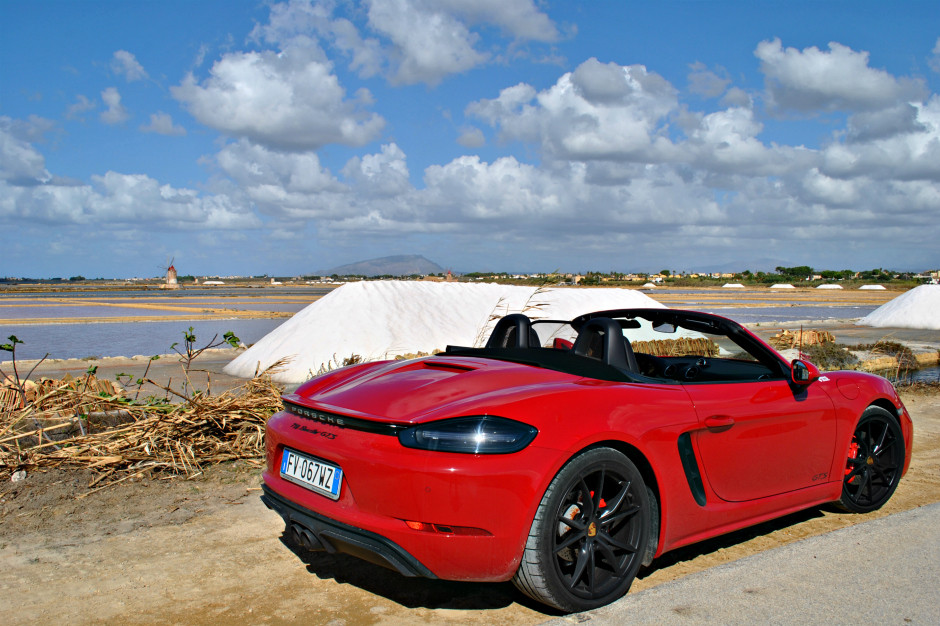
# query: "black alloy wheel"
{"type": "Point", "coordinates": [875, 462]}
{"type": "Point", "coordinates": [590, 534]}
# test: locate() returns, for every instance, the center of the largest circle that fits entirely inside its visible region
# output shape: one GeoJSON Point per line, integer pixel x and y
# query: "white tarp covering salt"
{"type": "Point", "coordinates": [383, 319]}
{"type": "Point", "coordinates": [917, 308]}
{"type": "Point", "coordinates": [871, 287]}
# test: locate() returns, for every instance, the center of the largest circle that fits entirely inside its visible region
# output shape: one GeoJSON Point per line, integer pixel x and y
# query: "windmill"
{"type": "Point", "coordinates": [171, 279]}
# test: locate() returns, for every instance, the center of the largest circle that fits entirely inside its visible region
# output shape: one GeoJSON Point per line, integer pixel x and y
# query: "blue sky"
{"type": "Point", "coordinates": [508, 135]}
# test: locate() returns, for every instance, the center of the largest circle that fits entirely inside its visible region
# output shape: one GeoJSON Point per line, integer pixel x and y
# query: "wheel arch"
{"type": "Point", "coordinates": [887, 405]}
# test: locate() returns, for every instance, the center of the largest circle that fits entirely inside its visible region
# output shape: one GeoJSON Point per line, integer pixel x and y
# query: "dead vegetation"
{"type": "Point", "coordinates": [89, 423]}
{"type": "Point", "coordinates": [93, 423]}
{"type": "Point", "coordinates": [886, 348]}
{"type": "Point", "coordinates": [830, 356]}
{"type": "Point", "coordinates": [684, 346]}
{"type": "Point", "coordinates": [785, 340]}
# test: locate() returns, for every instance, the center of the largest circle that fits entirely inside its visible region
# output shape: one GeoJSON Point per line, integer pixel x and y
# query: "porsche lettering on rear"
{"type": "Point", "coordinates": [319, 416]}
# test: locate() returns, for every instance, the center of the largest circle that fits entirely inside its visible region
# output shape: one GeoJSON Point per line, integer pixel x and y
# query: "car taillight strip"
{"type": "Point", "coordinates": [344, 421]}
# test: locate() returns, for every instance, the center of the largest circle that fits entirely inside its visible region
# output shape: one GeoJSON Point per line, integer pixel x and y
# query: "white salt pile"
{"type": "Point", "coordinates": [733, 286]}
{"type": "Point", "coordinates": [829, 287]}
{"type": "Point", "coordinates": [381, 319]}
{"type": "Point", "coordinates": [649, 286]}
{"type": "Point", "coordinates": [917, 308]}
{"type": "Point", "coordinates": [782, 286]}
{"type": "Point", "coordinates": [872, 287]}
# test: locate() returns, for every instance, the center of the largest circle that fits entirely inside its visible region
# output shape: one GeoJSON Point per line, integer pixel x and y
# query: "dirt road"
{"type": "Point", "coordinates": [206, 551]}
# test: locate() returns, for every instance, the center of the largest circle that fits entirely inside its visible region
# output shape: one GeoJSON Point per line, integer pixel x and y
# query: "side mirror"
{"type": "Point", "coordinates": [803, 372]}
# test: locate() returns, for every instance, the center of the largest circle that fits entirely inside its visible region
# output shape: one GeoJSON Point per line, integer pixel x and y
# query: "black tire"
{"type": "Point", "coordinates": [875, 462]}
{"type": "Point", "coordinates": [590, 533]}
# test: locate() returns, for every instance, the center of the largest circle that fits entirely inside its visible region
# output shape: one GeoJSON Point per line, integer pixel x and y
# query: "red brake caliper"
{"type": "Point", "coordinates": [853, 454]}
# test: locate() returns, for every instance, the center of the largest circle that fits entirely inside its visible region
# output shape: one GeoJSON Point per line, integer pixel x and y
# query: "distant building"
{"type": "Point", "coordinates": [171, 279]}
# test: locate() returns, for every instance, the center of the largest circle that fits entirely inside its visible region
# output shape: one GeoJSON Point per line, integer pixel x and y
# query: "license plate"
{"type": "Point", "coordinates": [311, 473]}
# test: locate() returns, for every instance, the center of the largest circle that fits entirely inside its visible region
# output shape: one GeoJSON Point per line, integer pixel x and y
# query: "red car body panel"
{"type": "Point", "coordinates": [763, 449]}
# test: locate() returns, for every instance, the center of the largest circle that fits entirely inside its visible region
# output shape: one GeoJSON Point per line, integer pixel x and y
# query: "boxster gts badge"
{"type": "Point", "coordinates": [313, 431]}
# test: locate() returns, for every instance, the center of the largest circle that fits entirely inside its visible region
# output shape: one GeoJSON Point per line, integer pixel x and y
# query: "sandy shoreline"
{"type": "Point", "coordinates": [206, 371]}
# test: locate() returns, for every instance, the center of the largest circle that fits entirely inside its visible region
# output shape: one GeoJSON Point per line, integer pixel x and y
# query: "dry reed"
{"type": "Point", "coordinates": [684, 346]}
{"type": "Point", "coordinates": [89, 423]}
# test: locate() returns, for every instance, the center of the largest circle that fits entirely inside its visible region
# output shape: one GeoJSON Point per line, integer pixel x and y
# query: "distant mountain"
{"type": "Point", "coordinates": [399, 265]}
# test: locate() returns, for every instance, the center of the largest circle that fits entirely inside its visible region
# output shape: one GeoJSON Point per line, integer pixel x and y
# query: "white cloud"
{"type": "Point", "coordinates": [28, 192]}
{"type": "Point", "coordinates": [934, 59]}
{"type": "Point", "coordinates": [297, 21]}
{"type": "Point", "coordinates": [126, 201]}
{"type": "Point", "coordinates": [890, 147]}
{"type": "Point", "coordinates": [428, 44]}
{"type": "Point", "coordinates": [384, 174]}
{"type": "Point", "coordinates": [288, 100]}
{"type": "Point", "coordinates": [81, 105]}
{"type": "Point", "coordinates": [294, 19]}
{"type": "Point", "coordinates": [432, 39]}
{"type": "Point", "coordinates": [125, 64]}
{"type": "Point", "coordinates": [868, 126]}
{"type": "Point", "coordinates": [830, 191]}
{"type": "Point", "coordinates": [116, 113]}
{"type": "Point", "coordinates": [599, 111]}
{"type": "Point", "coordinates": [282, 183]}
{"type": "Point", "coordinates": [419, 41]}
{"type": "Point", "coordinates": [505, 191]}
{"type": "Point", "coordinates": [737, 97]}
{"type": "Point", "coordinates": [518, 18]}
{"type": "Point", "coordinates": [471, 138]}
{"type": "Point", "coordinates": [727, 142]}
{"type": "Point", "coordinates": [510, 103]}
{"type": "Point", "coordinates": [840, 79]}
{"type": "Point", "coordinates": [367, 57]}
{"type": "Point", "coordinates": [19, 160]}
{"type": "Point", "coordinates": [162, 124]}
{"type": "Point", "coordinates": [707, 83]}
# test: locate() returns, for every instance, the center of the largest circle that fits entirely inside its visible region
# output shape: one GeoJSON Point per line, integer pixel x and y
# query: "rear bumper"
{"type": "Point", "coordinates": [473, 511]}
{"type": "Point", "coordinates": [317, 532]}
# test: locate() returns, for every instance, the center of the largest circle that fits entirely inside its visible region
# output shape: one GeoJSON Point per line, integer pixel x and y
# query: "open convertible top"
{"type": "Point", "coordinates": [598, 345]}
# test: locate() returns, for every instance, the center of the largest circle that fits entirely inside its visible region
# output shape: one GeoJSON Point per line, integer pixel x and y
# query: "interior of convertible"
{"type": "Point", "coordinates": [638, 345]}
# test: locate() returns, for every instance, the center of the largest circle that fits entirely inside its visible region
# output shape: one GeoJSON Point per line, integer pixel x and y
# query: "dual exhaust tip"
{"type": "Point", "coordinates": [305, 537]}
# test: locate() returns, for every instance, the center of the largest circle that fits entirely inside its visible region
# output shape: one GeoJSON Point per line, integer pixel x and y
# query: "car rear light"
{"type": "Point", "coordinates": [446, 529]}
{"type": "Point", "coordinates": [482, 434]}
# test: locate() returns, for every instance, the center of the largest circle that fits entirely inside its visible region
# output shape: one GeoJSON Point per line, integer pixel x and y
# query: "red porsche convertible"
{"type": "Point", "coordinates": [566, 455]}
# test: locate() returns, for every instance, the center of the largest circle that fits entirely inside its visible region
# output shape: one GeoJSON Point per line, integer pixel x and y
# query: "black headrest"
{"type": "Point", "coordinates": [514, 331]}
{"type": "Point", "coordinates": [602, 338]}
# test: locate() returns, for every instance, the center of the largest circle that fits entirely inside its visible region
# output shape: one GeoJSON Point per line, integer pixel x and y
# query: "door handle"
{"type": "Point", "coordinates": [719, 423]}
